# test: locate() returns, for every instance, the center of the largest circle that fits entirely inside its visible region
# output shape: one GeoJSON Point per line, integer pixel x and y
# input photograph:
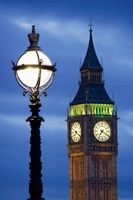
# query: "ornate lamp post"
{"type": "Point", "coordinates": [34, 72]}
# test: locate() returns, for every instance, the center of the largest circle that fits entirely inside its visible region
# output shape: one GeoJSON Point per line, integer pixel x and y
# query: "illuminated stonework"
{"type": "Point", "coordinates": [94, 109]}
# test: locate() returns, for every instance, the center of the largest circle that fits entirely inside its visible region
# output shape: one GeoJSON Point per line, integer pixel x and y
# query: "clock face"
{"type": "Point", "coordinates": [76, 132]}
{"type": "Point", "coordinates": [102, 131]}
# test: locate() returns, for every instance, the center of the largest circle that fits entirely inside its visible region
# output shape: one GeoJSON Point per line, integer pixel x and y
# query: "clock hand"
{"type": "Point", "coordinates": [103, 132]}
{"type": "Point", "coordinates": [76, 132]}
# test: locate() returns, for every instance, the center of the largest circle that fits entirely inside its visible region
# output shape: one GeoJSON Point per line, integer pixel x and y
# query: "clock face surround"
{"type": "Point", "coordinates": [76, 132]}
{"type": "Point", "coordinates": [102, 131]}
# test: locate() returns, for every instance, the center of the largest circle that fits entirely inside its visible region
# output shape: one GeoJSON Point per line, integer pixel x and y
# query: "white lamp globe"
{"type": "Point", "coordinates": [34, 70]}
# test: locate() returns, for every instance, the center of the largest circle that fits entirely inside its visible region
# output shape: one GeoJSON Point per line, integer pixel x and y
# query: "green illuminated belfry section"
{"type": "Point", "coordinates": [91, 97]}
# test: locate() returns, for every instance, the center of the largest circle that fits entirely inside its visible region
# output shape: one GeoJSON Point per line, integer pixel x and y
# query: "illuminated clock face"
{"type": "Point", "coordinates": [76, 132]}
{"type": "Point", "coordinates": [102, 131]}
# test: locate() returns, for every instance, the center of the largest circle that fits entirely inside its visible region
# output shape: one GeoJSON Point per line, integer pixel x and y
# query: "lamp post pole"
{"type": "Point", "coordinates": [35, 184]}
{"type": "Point", "coordinates": [34, 73]}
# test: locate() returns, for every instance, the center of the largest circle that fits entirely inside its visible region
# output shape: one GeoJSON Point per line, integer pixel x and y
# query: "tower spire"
{"type": "Point", "coordinates": [91, 61]}
{"type": "Point", "coordinates": [90, 25]}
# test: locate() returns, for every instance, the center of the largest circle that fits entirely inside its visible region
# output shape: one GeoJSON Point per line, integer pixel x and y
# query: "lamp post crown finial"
{"type": "Point", "coordinates": [33, 39]}
{"type": "Point", "coordinates": [33, 29]}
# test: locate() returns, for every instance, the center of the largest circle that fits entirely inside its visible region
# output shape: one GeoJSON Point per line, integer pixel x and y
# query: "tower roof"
{"type": "Point", "coordinates": [91, 61]}
{"type": "Point", "coordinates": [92, 94]}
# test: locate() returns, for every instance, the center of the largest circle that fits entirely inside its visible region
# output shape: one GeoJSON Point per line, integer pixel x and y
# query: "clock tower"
{"type": "Point", "coordinates": [92, 135]}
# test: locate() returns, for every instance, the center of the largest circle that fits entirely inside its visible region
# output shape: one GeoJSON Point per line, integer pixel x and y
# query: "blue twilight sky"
{"type": "Point", "coordinates": [64, 35]}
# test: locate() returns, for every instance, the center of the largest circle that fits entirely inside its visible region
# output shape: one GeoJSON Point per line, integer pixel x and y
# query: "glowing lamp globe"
{"type": "Point", "coordinates": [34, 70]}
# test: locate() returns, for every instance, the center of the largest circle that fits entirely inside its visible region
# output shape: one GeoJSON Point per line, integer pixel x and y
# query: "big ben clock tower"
{"type": "Point", "coordinates": [92, 135]}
